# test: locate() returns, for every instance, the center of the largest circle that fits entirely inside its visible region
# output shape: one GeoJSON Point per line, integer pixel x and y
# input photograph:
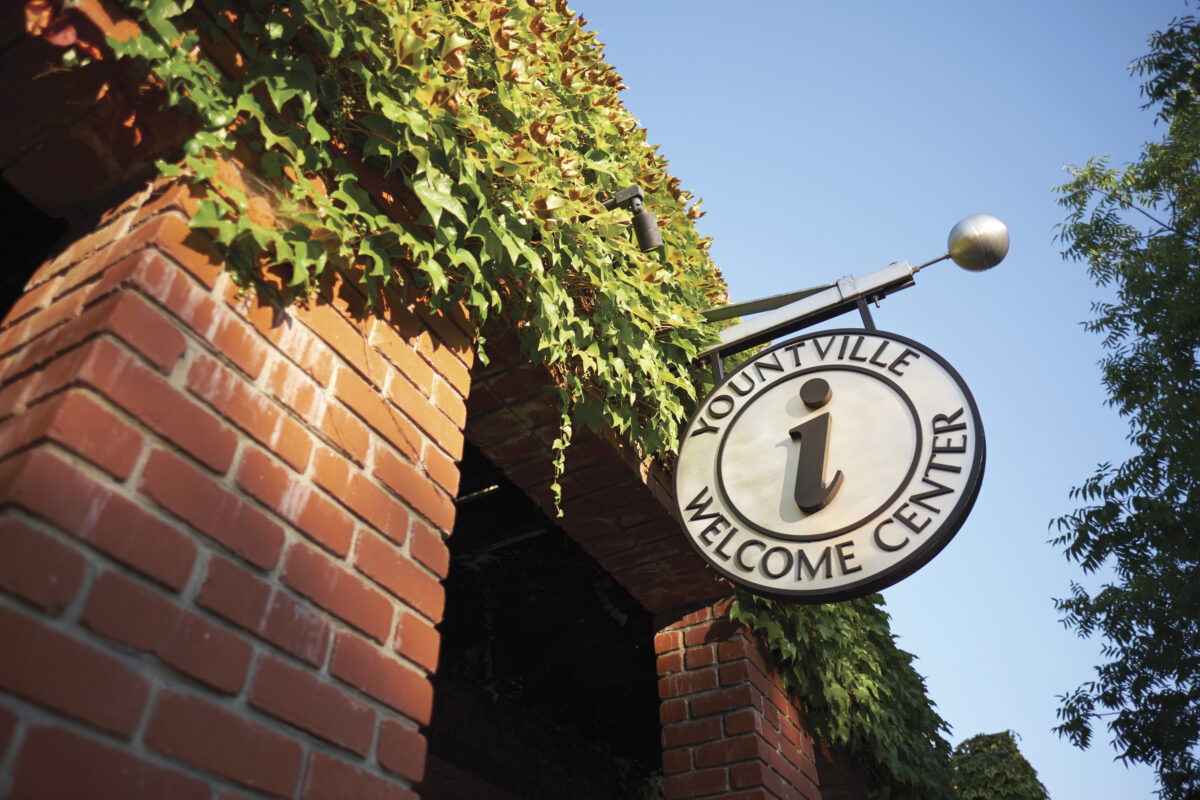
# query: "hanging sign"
{"type": "Point", "coordinates": [830, 466]}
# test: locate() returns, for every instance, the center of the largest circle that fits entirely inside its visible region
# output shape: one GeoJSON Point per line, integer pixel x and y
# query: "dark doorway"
{"type": "Point", "coordinates": [546, 685]}
{"type": "Point", "coordinates": [30, 237]}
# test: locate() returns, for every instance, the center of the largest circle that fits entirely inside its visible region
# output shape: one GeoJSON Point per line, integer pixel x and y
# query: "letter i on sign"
{"type": "Point", "coordinates": [812, 493]}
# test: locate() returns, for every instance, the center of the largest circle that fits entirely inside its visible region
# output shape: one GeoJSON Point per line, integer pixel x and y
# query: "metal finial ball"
{"type": "Point", "coordinates": [978, 242]}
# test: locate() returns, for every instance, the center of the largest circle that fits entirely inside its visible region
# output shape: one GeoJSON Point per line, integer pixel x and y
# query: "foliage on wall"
{"type": "Point", "coordinates": [862, 692]}
{"type": "Point", "coordinates": [497, 131]}
{"type": "Point", "coordinates": [990, 767]}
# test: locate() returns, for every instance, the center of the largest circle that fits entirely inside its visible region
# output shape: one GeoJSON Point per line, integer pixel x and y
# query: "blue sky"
{"type": "Point", "coordinates": [833, 138]}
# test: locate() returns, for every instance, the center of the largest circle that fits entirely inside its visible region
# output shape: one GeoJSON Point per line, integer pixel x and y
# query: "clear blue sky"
{"type": "Point", "coordinates": [833, 138]}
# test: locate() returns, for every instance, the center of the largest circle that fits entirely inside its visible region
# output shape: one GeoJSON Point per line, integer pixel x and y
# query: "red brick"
{"type": "Point", "coordinates": [127, 316]}
{"type": "Point", "coordinates": [49, 487]}
{"type": "Point", "coordinates": [157, 405]}
{"type": "Point", "coordinates": [744, 721]}
{"type": "Point", "coordinates": [424, 413]}
{"type": "Point", "coordinates": [357, 493]}
{"type": "Point", "coordinates": [162, 280]}
{"type": "Point", "coordinates": [297, 629]}
{"type": "Point", "coordinates": [723, 700]}
{"type": "Point", "coordinates": [665, 641]}
{"type": "Point", "coordinates": [384, 338]}
{"type": "Point", "coordinates": [138, 324]}
{"type": "Point", "coordinates": [37, 332]}
{"type": "Point", "coordinates": [76, 421]}
{"type": "Point", "coordinates": [295, 500]}
{"type": "Point", "coordinates": [346, 339]}
{"type": "Point", "coordinates": [252, 411]}
{"type": "Point", "coordinates": [382, 417]}
{"type": "Point", "coordinates": [32, 300]}
{"type": "Point", "coordinates": [743, 672]}
{"type": "Point", "coordinates": [381, 676]}
{"type": "Point", "coordinates": [697, 657]}
{"type": "Point", "coordinates": [672, 711]}
{"type": "Point", "coordinates": [739, 648]}
{"type": "Point", "coordinates": [730, 751]}
{"type": "Point", "coordinates": [37, 568]}
{"type": "Point", "coordinates": [170, 234]}
{"type": "Point", "coordinates": [333, 779]}
{"type": "Point", "coordinates": [417, 640]}
{"type": "Point", "coordinates": [145, 620]}
{"type": "Point", "coordinates": [669, 663]}
{"type": "Point", "coordinates": [697, 634]}
{"type": "Point", "coordinates": [346, 432]}
{"type": "Point", "coordinates": [402, 750]}
{"type": "Point", "coordinates": [683, 734]}
{"type": "Point", "coordinates": [453, 328]}
{"type": "Point", "coordinates": [697, 784]}
{"type": "Point", "coordinates": [214, 739]}
{"type": "Point", "coordinates": [428, 547]}
{"type": "Point", "coordinates": [295, 390]}
{"type": "Point", "coordinates": [194, 497]}
{"type": "Point", "coordinates": [686, 683]}
{"type": "Point", "coordinates": [752, 773]}
{"type": "Point", "coordinates": [314, 575]}
{"type": "Point", "coordinates": [415, 487]}
{"type": "Point", "coordinates": [676, 761]}
{"type": "Point", "coordinates": [56, 671]}
{"type": "Point", "coordinates": [300, 699]}
{"type": "Point", "coordinates": [238, 596]}
{"type": "Point", "coordinates": [57, 764]}
{"type": "Point", "coordinates": [451, 403]}
{"type": "Point", "coordinates": [383, 563]}
{"type": "Point", "coordinates": [444, 470]}
{"type": "Point", "coordinates": [291, 338]}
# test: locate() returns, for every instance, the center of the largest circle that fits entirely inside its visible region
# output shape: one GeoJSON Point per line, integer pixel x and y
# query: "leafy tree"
{"type": "Point", "coordinates": [1138, 231]}
{"type": "Point", "coordinates": [990, 767]}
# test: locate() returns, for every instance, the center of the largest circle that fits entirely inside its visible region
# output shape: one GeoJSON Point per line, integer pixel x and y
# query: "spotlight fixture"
{"type": "Point", "coordinates": [645, 226]}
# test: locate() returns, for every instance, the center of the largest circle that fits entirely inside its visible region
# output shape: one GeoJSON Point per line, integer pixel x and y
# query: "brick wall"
{"type": "Point", "coordinates": [222, 527]}
{"type": "Point", "coordinates": [729, 729]}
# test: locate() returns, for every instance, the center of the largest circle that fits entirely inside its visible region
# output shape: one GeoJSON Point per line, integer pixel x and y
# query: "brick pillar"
{"type": "Point", "coordinates": [221, 527]}
{"type": "Point", "coordinates": [729, 729]}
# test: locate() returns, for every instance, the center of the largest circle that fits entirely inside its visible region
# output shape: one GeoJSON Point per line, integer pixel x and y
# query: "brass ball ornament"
{"type": "Point", "coordinates": [978, 242]}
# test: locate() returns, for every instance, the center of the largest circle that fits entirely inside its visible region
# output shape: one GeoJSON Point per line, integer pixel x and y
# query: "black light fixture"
{"type": "Point", "coordinates": [645, 226]}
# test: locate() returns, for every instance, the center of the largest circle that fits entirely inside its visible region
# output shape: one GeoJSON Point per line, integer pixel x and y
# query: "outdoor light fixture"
{"type": "Point", "coordinates": [976, 243]}
{"type": "Point", "coordinates": [645, 226]}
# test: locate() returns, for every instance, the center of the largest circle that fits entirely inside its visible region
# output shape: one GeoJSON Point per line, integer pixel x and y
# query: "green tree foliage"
{"type": "Point", "coordinates": [862, 693]}
{"type": "Point", "coordinates": [1138, 231]}
{"type": "Point", "coordinates": [458, 151]}
{"type": "Point", "coordinates": [990, 767]}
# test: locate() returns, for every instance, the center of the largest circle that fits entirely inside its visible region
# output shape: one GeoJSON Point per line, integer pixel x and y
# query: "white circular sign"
{"type": "Point", "coordinates": [830, 466]}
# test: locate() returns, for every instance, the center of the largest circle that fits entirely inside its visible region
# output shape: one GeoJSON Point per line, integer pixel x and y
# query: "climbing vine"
{"type": "Point", "coordinates": [990, 767]}
{"type": "Point", "coordinates": [455, 150]}
{"type": "Point", "coordinates": [863, 695]}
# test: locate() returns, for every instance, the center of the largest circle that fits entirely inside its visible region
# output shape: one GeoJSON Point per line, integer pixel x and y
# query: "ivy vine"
{"type": "Point", "coordinates": [456, 150]}
{"type": "Point", "coordinates": [990, 767]}
{"type": "Point", "coordinates": [861, 691]}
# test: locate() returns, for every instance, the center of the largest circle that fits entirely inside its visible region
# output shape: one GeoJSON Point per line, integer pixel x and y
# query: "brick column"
{"type": "Point", "coordinates": [729, 729]}
{"type": "Point", "coordinates": [221, 526]}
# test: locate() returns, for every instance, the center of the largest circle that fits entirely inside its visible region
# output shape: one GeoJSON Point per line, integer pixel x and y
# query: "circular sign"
{"type": "Point", "coordinates": [830, 466]}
